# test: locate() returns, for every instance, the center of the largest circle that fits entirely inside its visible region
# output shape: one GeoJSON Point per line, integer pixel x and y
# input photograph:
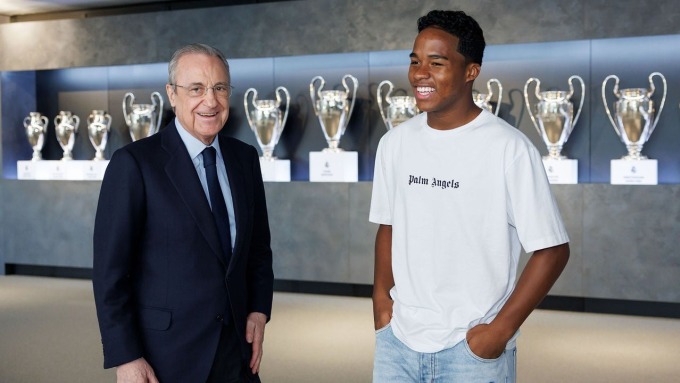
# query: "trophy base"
{"type": "Point", "coordinates": [561, 170]}
{"type": "Point", "coordinates": [275, 170]}
{"type": "Point", "coordinates": [333, 166]}
{"type": "Point", "coordinates": [72, 170]}
{"type": "Point", "coordinates": [634, 172]}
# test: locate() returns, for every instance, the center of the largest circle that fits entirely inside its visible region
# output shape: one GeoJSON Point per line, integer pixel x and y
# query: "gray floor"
{"type": "Point", "coordinates": [48, 333]}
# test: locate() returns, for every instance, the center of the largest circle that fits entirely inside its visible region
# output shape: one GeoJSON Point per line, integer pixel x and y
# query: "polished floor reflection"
{"type": "Point", "coordinates": [48, 333]}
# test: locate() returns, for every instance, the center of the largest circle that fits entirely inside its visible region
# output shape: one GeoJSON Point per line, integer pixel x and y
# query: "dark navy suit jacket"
{"type": "Point", "coordinates": [162, 288]}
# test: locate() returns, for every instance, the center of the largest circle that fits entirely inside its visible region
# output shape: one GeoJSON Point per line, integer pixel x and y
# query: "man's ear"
{"type": "Point", "coordinates": [171, 94]}
{"type": "Point", "coordinates": [472, 71]}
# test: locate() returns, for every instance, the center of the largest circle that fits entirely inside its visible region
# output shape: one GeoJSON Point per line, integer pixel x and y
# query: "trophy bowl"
{"type": "Point", "coordinates": [634, 119]}
{"type": "Point", "coordinates": [143, 120]}
{"type": "Point", "coordinates": [399, 108]}
{"type": "Point", "coordinates": [35, 126]}
{"type": "Point", "coordinates": [98, 127]}
{"type": "Point", "coordinates": [553, 114]}
{"type": "Point", "coordinates": [266, 119]}
{"type": "Point", "coordinates": [483, 100]}
{"type": "Point", "coordinates": [333, 108]}
{"type": "Point", "coordinates": [66, 129]}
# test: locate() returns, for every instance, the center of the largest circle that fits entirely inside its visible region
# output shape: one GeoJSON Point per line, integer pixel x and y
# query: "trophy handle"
{"type": "Point", "coordinates": [245, 105]}
{"type": "Point", "coordinates": [27, 121]}
{"type": "Point", "coordinates": [663, 98]}
{"type": "Point", "coordinates": [282, 124]}
{"type": "Point", "coordinates": [604, 99]}
{"type": "Point", "coordinates": [355, 82]}
{"type": "Point", "coordinates": [76, 120]}
{"type": "Point", "coordinates": [157, 101]}
{"type": "Point", "coordinates": [57, 120]}
{"type": "Point", "coordinates": [526, 100]}
{"type": "Point", "coordinates": [316, 94]}
{"type": "Point", "coordinates": [125, 107]}
{"type": "Point", "coordinates": [107, 117]}
{"type": "Point", "coordinates": [571, 93]}
{"type": "Point", "coordinates": [500, 93]}
{"type": "Point", "coordinates": [387, 98]}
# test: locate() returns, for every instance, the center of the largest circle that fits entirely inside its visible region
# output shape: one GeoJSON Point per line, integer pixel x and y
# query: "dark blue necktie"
{"type": "Point", "coordinates": [219, 207]}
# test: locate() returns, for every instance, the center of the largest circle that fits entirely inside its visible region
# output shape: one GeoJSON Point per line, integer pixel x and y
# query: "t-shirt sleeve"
{"type": "Point", "coordinates": [381, 198]}
{"type": "Point", "coordinates": [532, 209]}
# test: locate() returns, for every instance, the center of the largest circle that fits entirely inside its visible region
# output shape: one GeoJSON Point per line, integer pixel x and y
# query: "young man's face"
{"type": "Point", "coordinates": [203, 117]}
{"type": "Point", "coordinates": [440, 78]}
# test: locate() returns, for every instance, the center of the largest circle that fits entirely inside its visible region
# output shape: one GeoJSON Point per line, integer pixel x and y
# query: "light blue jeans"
{"type": "Point", "coordinates": [396, 363]}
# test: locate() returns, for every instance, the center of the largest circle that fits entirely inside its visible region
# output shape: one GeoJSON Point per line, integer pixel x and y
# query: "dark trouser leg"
{"type": "Point", "coordinates": [227, 366]}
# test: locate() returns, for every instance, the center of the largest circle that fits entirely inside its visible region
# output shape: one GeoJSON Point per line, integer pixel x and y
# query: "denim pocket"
{"type": "Point", "coordinates": [479, 358]}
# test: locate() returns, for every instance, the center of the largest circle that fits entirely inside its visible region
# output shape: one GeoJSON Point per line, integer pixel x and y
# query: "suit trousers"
{"type": "Point", "coordinates": [228, 366]}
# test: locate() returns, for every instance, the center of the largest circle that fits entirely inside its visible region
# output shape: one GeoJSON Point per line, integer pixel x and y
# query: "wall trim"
{"type": "Point", "coordinates": [551, 302]}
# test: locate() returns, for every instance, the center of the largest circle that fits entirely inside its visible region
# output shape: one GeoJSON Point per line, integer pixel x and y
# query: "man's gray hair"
{"type": "Point", "coordinates": [191, 49]}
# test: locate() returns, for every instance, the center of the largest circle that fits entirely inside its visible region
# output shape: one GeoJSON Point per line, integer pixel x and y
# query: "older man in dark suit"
{"type": "Point", "coordinates": [183, 278]}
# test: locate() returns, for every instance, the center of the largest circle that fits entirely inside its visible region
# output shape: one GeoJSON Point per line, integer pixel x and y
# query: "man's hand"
{"type": "Point", "coordinates": [255, 336]}
{"type": "Point", "coordinates": [485, 342]}
{"type": "Point", "coordinates": [382, 312]}
{"type": "Point", "coordinates": [137, 371]}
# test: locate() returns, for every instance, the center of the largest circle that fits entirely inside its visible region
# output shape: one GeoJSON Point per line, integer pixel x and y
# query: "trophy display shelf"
{"type": "Point", "coordinates": [73, 170]}
{"type": "Point", "coordinates": [333, 166]}
{"type": "Point", "coordinates": [275, 170]}
{"type": "Point", "coordinates": [641, 171]}
{"type": "Point", "coordinates": [561, 171]}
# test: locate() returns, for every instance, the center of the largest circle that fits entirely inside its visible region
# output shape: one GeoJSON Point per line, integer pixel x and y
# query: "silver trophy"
{"type": "Point", "coordinates": [634, 112]}
{"type": "Point", "coordinates": [266, 119]}
{"type": "Point", "coordinates": [553, 115]}
{"type": "Point", "coordinates": [143, 120]}
{"type": "Point", "coordinates": [483, 100]}
{"type": "Point", "coordinates": [36, 128]}
{"type": "Point", "coordinates": [98, 127]}
{"type": "Point", "coordinates": [66, 128]}
{"type": "Point", "coordinates": [399, 108]}
{"type": "Point", "coordinates": [333, 108]}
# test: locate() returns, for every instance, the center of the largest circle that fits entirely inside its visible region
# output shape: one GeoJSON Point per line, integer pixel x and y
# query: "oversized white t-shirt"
{"type": "Point", "coordinates": [461, 203]}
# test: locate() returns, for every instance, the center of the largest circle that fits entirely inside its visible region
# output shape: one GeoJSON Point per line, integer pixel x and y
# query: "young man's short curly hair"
{"type": "Point", "coordinates": [471, 42]}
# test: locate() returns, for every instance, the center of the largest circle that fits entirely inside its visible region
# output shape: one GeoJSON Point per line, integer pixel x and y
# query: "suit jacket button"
{"type": "Point", "coordinates": [219, 318]}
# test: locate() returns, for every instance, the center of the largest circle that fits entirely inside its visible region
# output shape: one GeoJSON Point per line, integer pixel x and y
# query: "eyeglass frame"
{"type": "Point", "coordinates": [229, 87]}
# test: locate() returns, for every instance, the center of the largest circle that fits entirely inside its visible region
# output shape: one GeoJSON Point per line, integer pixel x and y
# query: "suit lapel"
{"type": "Point", "coordinates": [181, 172]}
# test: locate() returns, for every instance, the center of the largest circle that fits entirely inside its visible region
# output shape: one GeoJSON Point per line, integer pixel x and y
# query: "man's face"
{"type": "Point", "coordinates": [203, 117]}
{"type": "Point", "coordinates": [440, 78]}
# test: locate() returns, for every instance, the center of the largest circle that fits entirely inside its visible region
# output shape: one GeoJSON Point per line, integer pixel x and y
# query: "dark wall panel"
{"type": "Point", "coordinates": [18, 99]}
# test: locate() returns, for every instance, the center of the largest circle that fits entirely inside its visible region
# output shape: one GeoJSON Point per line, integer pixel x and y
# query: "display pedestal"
{"type": "Point", "coordinates": [333, 166]}
{"type": "Point", "coordinates": [74, 170]}
{"type": "Point", "coordinates": [275, 170]}
{"type": "Point", "coordinates": [634, 172]}
{"type": "Point", "coordinates": [563, 171]}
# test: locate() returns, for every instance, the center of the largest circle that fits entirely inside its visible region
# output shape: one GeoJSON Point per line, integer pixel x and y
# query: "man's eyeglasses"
{"type": "Point", "coordinates": [220, 90]}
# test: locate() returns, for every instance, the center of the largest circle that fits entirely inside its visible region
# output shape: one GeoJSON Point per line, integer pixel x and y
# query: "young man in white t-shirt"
{"type": "Point", "coordinates": [457, 193]}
